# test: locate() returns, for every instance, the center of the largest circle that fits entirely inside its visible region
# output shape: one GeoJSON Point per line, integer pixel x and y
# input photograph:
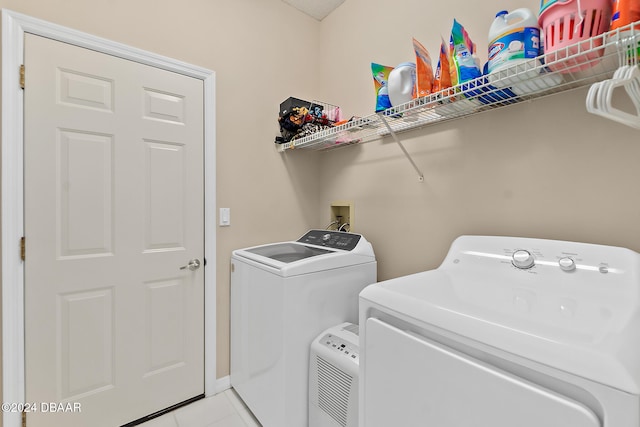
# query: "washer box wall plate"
{"type": "Point", "coordinates": [343, 212]}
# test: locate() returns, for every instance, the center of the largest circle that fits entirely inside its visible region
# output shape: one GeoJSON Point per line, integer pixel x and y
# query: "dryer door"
{"type": "Point", "coordinates": [411, 381]}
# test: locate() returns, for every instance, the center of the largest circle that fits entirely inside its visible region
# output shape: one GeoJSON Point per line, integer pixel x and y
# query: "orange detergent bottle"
{"type": "Point", "coordinates": [624, 13]}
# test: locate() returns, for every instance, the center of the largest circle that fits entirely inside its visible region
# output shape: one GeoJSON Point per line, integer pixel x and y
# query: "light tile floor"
{"type": "Point", "coordinates": [225, 409]}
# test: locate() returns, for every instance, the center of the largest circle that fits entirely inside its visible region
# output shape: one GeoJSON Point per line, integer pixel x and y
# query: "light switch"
{"type": "Point", "coordinates": [225, 217]}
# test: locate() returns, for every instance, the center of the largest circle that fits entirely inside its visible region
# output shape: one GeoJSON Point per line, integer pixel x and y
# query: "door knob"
{"type": "Point", "coordinates": [193, 265]}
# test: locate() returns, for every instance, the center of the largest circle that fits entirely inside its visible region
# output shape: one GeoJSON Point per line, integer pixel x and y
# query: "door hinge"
{"type": "Point", "coordinates": [23, 249]}
{"type": "Point", "coordinates": [24, 419]}
{"type": "Point", "coordinates": [22, 76]}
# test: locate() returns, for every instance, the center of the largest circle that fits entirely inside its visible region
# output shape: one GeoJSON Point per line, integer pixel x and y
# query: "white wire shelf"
{"type": "Point", "coordinates": [576, 66]}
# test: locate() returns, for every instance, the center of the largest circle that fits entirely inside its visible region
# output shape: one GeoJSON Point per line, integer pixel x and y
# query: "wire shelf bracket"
{"type": "Point", "coordinates": [404, 150]}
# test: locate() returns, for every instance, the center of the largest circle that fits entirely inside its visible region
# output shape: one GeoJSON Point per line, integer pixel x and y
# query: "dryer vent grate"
{"type": "Point", "coordinates": [334, 386]}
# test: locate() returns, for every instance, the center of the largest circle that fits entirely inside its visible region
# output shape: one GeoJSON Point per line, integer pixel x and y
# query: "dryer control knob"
{"type": "Point", "coordinates": [522, 259]}
{"type": "Point", "coordinates": [567, 264]}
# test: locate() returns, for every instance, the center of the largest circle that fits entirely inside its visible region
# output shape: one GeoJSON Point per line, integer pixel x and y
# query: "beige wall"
{"type": "Point", "coordinates": [542, 169]}
{"type": "Point", "coordinates": [258, 50]}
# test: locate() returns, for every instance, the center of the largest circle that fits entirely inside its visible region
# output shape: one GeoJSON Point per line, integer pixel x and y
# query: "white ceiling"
{"type": "Point", "coordinates": [317, 9]}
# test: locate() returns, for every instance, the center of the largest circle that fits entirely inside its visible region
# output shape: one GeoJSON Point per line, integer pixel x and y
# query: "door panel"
{"type": "Point", "coordinates": [164, 106]}
{"type": "Point", "coordinates": [86, 332]}
{"type": "Point", "coordinates": [410, 381]}
{"type": "Point", "coordinates": [85, 193]}
{"type": "Point", "coordinates": [82, 90]}
{"type": "Point", "coordinates": [165, 195]}
{"type": "Point", "coordinates": [165, 325]}
{"type": "Point", "coordinates": [113, 208]}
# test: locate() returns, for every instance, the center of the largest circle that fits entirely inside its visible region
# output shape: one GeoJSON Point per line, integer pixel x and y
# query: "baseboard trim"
{"type": "Point", "coordinates": [223, 384]}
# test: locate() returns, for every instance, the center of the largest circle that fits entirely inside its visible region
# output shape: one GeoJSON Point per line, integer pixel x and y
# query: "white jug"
{"type": "Point", "coordinates": [402, 83]}
{"type": "Point", "coordinates": [513, 37]}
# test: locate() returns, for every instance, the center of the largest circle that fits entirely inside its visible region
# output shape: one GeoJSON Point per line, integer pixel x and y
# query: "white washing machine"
{"type": "Point", "coordinates": [282, 296]}
{"type": "Point", "coordinates": [506, 332]}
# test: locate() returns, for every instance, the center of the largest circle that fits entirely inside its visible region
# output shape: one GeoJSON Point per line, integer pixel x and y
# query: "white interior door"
{"type": "Point", "coordinates": [113, 208]}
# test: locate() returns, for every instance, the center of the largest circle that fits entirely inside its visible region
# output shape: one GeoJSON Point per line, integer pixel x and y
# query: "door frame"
{"type": "Point", "coordinates": [14, 27]}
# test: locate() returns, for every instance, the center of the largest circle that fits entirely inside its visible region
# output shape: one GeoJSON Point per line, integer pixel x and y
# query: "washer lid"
{"type": "Point", "coordinates": [333, 250]}
{"type": "Point", "coordinates": [287, 252]}
{"type": "Point", "coordinates": [584, 321]}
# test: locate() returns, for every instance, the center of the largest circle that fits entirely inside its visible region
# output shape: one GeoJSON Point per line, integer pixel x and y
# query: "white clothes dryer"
{"type": "Point", "coordinates": [506, 332]}
{"type": "Point", "coordinates": [282, 296]}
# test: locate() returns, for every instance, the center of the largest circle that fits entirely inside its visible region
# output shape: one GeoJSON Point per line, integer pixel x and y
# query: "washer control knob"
{"type": "Point", "coordinates": [567, 264]}
{"type": "Point", "coordinates": [326, 237]}
{"type": "Point", "coordinates": [522, 259]}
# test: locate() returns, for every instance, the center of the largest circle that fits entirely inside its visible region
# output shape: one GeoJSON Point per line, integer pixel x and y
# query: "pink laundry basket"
{"type": "Point", "coordinates": [563, 32]}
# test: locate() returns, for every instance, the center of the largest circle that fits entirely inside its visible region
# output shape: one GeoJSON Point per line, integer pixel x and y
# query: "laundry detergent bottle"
{"type": "Point", "coordinates": [624, 13]}
{"type": "Point", "coordinates": [402, 83]}
{"type": "Point", "coordinates": [513, 37]}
